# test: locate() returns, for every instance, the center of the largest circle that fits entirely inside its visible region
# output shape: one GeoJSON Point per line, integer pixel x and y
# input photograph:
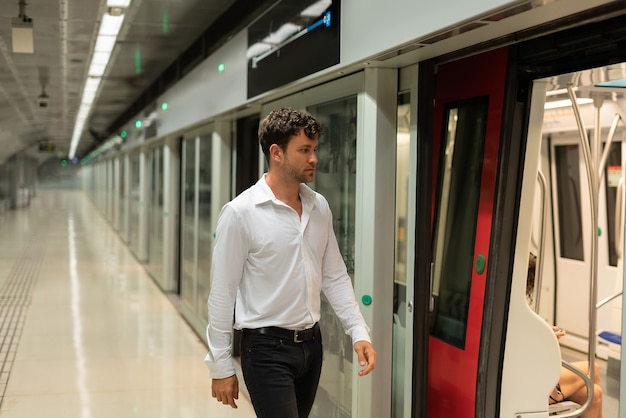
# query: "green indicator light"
{"type": "Point", "coordinates": [164, 106]}
{"type": "Point", "coordinates": [137, 60]}
{"type": "Point", "coordinates": [123, 134]}
{"type": "Point", "coordinates": [165, 23]}
{"type": "Point", "coordinates": [221, 68]}
{"type": "Point", "coordinates": [64, 162]}
{"type": "Point", "coordinates": [137, 124]}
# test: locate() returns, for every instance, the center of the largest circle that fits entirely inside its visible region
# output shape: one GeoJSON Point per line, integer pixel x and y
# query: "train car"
{"type": "Point", "coordinates": [458, 140]}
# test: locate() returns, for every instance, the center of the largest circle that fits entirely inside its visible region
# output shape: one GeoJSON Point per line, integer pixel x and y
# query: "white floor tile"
{"type": "Point", "coordinates": [99, 338]}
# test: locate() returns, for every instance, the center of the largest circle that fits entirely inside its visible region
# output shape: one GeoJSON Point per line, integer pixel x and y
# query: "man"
{"type": "Point", "coordinates": [275, 251]}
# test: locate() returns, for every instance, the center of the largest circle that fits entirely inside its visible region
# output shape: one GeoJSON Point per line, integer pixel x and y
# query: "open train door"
{"type": "Point", "coordinates": [468, 113]}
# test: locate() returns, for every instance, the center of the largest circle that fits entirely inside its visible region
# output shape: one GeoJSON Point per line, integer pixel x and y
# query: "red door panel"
{"type": "Point", "coordinates": [465, 90]}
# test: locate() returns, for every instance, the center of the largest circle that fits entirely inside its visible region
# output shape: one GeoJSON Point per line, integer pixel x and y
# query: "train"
{"type": "Point", "coordinates": [459, 138]}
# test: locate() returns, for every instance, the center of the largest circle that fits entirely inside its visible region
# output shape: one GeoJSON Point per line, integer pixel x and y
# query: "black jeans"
{"type": "Point", "coordinates": [282, 376]}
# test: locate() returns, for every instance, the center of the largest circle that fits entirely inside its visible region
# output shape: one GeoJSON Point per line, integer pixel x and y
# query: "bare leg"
{"type": "Point", "coordinates": [574, 389]}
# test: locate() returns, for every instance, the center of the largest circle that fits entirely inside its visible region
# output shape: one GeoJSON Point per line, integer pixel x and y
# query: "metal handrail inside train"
{"type": "Point", "coordinates": [618, 201]}
{"type": "Point", "coordinates": [588, 382]}
{"type": "Point", "coordinates": [594, 166]}
{"type": "Point", "coordinates": [592, 180]}
{"type": "Point", "coordinates": [619, 225]}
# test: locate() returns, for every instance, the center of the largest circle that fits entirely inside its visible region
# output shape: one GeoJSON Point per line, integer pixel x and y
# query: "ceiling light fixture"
{"type": "Point", "coordinates": [110, 26]}
{"type": "Point", "coordinates": [566, 103]}
{"type": "Point", "coordinates": [22, 32]}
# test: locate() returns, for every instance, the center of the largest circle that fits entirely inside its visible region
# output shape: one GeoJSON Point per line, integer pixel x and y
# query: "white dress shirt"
{"type": "Point", "coordinates": [271, 264]}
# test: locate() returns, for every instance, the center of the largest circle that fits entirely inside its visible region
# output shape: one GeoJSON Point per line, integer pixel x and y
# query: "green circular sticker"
{"type": "Point", "coordinates": [480, 264]}
{"type": "Point", "coordinates": [367, 300]}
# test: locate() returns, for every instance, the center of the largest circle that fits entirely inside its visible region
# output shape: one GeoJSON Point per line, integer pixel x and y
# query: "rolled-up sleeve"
{"type": "Point", "coordinates": [229, 256]}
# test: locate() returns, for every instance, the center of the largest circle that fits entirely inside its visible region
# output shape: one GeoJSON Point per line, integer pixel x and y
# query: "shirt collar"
{"type": "Point", "coordinates": [264, 192]}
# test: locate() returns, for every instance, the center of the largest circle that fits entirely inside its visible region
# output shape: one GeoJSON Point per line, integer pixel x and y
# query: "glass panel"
{"type": "Point", "coordinates": [335, 178]}
{"type": "Point", "coordinates": [460, 170]}
{"type": "Point", "coordinates": [134, 202]}
{"type": "Point", "coordinates": [156, 215]}
{"type": "Point", "coordinates": [205, 234]}
{"type": "Point", "coordinates": [107, 190]}
{"type": "Point", "coordinates": [188, 224]}
{"type": "Point", "coordinates": [122, 197]}
{"type": "Point", "coordinates": [568, 192]}
{"type": "Point", "coordinates": [108, 194]}
{"type": "Point", "coordinates": [399, 287]}
{"type": "Point", "coordinates": [612, 176]}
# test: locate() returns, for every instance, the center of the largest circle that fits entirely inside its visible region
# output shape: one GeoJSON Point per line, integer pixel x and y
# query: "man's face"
{"type": "Point", "coordinates": [300, 158]}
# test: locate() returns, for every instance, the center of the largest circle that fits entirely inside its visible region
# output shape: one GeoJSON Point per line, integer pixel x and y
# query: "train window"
{"type": "Point", "coordinates": [568, 192]}
{"type": "Point", "coordinates": [612, 175]}
{"type": "Point", "coordinates": [460, 169]}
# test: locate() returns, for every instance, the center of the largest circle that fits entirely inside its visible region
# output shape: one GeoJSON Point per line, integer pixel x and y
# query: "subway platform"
{"type": "Point", "coordinates": [85, 331]}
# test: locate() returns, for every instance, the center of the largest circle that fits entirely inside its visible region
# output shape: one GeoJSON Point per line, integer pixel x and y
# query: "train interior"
{"type": "Point", "coordinates": [578, 216]}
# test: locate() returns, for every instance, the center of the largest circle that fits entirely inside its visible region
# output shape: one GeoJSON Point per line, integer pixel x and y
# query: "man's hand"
{"type": "Point", "coordinates": [226, 390]}
{"type": "Point", "coordinates": [367, 356]}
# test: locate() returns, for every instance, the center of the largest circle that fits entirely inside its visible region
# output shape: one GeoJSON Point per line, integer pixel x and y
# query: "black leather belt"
{"type": "Point", "coordinates": [297, 336]}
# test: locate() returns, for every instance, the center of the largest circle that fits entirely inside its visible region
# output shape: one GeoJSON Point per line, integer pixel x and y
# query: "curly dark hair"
{"type": "Point", "coordinates": [280, 125]}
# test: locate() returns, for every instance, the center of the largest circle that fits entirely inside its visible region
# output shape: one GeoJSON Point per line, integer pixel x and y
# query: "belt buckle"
{"type": "Point", "coordinates": [296, 337]}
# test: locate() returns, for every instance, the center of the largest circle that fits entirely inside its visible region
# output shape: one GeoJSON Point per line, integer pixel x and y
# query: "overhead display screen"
{"type": "Point", "coordinates": [290, 41]}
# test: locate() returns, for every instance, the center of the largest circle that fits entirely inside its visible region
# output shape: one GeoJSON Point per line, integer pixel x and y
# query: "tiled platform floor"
{"type": "Point", "coordinates": [85, 332]}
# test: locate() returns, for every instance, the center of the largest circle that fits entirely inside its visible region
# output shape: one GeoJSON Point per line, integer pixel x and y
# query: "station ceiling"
{"type": "Point", "coordinates": [160, 41]}
{"type": "Point", "coordinates": [157, 37]}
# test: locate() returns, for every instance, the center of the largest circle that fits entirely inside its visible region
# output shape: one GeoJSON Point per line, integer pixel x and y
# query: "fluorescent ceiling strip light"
{"type": "Point", "coordinates": [111, 25]}
{"type": "Point", "coordinates": [566, 103]}
{"type": "Point", "coordinates": [82, 113]}
{"type": "Point", "coordinates": [88, 96]}
{"type": "Point", "coordinates": [100, 58]}
{"type": "Point", "coordinates": [89, 93]}
{"type": "Point", "coordinates": [316, 8]}
{"type": "Point", "coordinates": [284, 32]}
{"type": "Point", "coordinates": [107, 35]}
{"type": "Point", "coordinates": [288, 32]}
{"type": "Point", "coordinates": [105, 43]}
{"type": "Point", "coordinates": [97, 70]}
{"type": "Point", "coordinates": [118, 3]}
{"type": "Point", "coordinates": [257, 49]}
{"type": "Point", "coordinates": [559, 91]}
{"type": "Point", "coordinates": [92, 84]}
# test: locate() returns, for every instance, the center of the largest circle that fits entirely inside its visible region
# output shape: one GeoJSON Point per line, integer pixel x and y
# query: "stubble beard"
{"type": "Point", "coordinates": [300, 176]}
